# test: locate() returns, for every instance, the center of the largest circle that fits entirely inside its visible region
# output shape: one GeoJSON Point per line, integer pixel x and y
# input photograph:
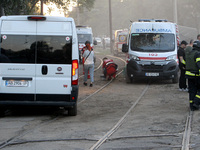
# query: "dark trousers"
{"type": "Point", "coordinates": [194, 89]}
{"type": "Point", "coordinates": [182, 80]}
{"type": "Point", "coordinates": [192, 85]}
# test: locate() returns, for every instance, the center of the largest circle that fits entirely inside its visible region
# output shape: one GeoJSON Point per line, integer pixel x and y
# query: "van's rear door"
{"type": "Point", "coordinates": [17, 63]}
{"type": "Point", "coordinates": [53, 60]}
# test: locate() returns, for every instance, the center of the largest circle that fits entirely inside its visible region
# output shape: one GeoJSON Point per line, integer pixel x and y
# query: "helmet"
{"type": "Point", "coordinates": [196, 44]}
{"type": "Point", "coordinates": [87, 42]}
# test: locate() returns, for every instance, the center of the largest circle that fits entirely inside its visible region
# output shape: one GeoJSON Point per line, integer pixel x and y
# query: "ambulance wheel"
{"type": "Point", "coordinates": [175, 79]}
{"type": "Point", "coordinates": [128, 80]}
{"type": "Point", "coordinates": [72, 111]}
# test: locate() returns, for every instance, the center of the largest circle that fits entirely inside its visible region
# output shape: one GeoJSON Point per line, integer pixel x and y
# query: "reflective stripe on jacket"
{"type": "Point", "coordinates": [183, 62]}
{"type": "Point", "coordinates": [188, 73]}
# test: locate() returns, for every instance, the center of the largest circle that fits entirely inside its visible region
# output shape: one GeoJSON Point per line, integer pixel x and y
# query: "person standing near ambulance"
{"type": "Point", "coordinates": [89, 60]}
{"type": "Point", "coordinates": [198, 37]}
{"type": "Point", "coordinates": [181, 58]}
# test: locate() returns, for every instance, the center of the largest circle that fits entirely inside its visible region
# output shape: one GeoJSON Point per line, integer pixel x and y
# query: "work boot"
{"type": "Point", "coordinates": [194, 107]}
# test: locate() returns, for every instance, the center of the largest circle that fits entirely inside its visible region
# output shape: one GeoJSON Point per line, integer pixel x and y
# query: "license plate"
{"type": "Point", "coordinates": [16, 83]}
{"type": "Point", "coordinates": [152, 74]}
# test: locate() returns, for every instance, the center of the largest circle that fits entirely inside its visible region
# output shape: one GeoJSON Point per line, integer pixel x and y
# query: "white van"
{"type": "Point", "coordinates": [84, 34]}
{"type": "Point", "coordinates": [39, 61]}
{"type": "Point", "coordinates": [152, 50]}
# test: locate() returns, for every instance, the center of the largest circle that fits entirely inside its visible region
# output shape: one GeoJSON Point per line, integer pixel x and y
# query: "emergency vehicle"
{"type": "Point", "coordinates": [39, 62]}
{"type": "Point", "coordinates": [152, 50]}
{"type": "Point", "coordinates": [84, 34]}
{"type": "Point", "coordinates": [120, 37]}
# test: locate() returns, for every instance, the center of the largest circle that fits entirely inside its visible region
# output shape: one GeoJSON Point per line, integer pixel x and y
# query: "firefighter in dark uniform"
{"type": "Point", "coordinates": [181, 57]}
{"type": "Point", "coordinates": [192, 59]}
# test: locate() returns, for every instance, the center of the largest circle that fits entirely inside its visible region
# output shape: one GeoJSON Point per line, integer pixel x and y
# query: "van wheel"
{"type": "Point", "coordinates": [128, 80]}
{"type": "Point", "coordinates": [175, 79]}
{"type": "Point", "coordinates": [73, 111]}
{"type": "Point", "coordinates": [2, 111]}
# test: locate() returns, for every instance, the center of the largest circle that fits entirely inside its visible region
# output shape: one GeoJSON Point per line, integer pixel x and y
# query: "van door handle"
{"type": "Point", "coordinates": [44, 70]}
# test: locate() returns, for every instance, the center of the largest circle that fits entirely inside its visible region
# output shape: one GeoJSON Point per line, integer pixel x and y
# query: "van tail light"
{"type": "Point", "coordinates": [37, 18]}
{"type": "Point", "coordinates": [74, 72]}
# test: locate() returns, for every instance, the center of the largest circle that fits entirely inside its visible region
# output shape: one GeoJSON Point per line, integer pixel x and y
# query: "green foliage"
{"type": "Point", "coordinates": [16, 7]}
{"type": "Point", "coordinates": [27, 7]}
{"type": "Point", "coordinates": [88, 4]}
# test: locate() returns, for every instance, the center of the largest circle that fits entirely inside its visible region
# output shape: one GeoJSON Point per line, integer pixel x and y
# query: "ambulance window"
{"type": "Point", "coordinates": [153, 42]}
{"type": "Point", "coordinates": [82, 38]}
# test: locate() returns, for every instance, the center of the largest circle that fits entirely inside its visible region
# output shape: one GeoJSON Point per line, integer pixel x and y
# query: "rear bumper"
{"type": "Point", "coordinates": [62, 100]}
{"type": "Point", "coordinates": [38, 103]}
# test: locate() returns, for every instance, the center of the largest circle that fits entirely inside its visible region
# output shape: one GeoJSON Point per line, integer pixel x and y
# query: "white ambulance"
{"type": "Point", "coordinates": [152, 50]}
{"type": "Point", "coordinates": [120, 37]}
{"type": "Point", "coordinates": [39, 62]}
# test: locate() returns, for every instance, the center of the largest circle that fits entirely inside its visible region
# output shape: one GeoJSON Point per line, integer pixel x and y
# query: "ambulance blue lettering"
{"type": "Point", "coordinates": [154, 30]}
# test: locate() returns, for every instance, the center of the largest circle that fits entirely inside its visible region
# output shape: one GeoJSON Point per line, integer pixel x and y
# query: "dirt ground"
{"type": "Point", "coordinates": [157, 122]}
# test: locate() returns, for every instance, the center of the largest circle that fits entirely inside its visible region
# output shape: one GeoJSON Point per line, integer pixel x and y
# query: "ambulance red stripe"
{"type": "Point", "coordinates": [152, 58]}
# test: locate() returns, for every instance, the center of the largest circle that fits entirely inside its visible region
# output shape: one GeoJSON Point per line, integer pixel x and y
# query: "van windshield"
{"type": "Point", "coordinates": [82, 38]}
{"type": "Point", "coordinates": [36, 49]}
{"type": "Point", "coordinates": [156, 42]}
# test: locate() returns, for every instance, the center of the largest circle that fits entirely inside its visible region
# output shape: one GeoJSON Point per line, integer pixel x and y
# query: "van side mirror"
{"type": "Point", "coordinates": [125, 48]}
{"type": "Point", "coordinates": [95, 42]}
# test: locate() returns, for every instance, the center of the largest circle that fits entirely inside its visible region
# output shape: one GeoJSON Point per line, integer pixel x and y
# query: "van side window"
{"type": "Point", "coordinates": [17, 48]}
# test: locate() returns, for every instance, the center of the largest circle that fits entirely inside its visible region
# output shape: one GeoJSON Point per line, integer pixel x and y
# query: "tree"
{"type": "Point", "coordinates": [27, 7]}
{"type": "Point", "coordinates": [16, 7]}
{"type": "Point", "coordinates": [88, 4]}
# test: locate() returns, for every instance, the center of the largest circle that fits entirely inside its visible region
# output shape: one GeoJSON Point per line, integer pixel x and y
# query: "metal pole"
{"type": "Point", "coordinates": [110, 20]}
{"type": "Point", "coordinates": [78, 18]}
{"type": "Point", "coordinates": [41, 7]}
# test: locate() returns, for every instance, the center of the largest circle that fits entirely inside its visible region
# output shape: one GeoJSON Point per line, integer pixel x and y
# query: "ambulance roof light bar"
{"type": "Point", "coordinates": [152, 20]}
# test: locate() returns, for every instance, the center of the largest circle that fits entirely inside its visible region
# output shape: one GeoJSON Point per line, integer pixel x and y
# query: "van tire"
{"type": "Point", "coordinates": [175, 79]}
{"type": "Point", "coordinates": [128, 80]}
{"type": "Point", "coordinates": [72, 111]}
{"type": "Point", "coordinates": [2, 111]}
